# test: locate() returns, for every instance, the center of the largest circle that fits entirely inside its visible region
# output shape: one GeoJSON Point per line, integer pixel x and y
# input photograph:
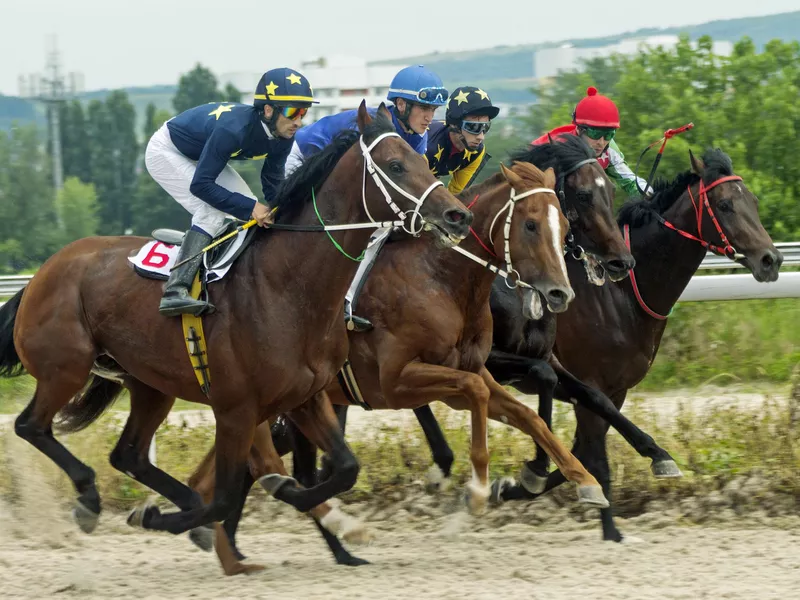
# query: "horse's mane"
{"type": "Point", "coordinates": [529, 173]}
{"type": "Point", "coordinates": [295, 191]}
{"type": "Point", "coordinates": [565, 151]}
{"type": "Point", "coordinates": [640, 211]}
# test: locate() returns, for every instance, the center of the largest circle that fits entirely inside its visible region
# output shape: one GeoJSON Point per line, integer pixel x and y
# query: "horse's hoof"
{"type": "Point", "coordinates": [531, 480]}
{"type": "Point", "coordinates": [437, 482]}
{"type": "Point", "coordinates": [203, 538]}
{"type": "Point", "coordinates": [665, 469]}
{"type": "Point", "coordinates": [274, 482]}
{"type": "Point", "coordinates": [242, 568]}
{"type": "Point", "coordinates": [592, 495]}
{"type": "Point", "coordinates": [350, 529]}
{"type": "Point", "coordinates": [475, 497]}
{"type": "Point", "coordinates": [85, 518]}
{"type": "Point", "coordinates": [631, 539]}
{"type": "Point", "coordinates": [498, 487]}
{"type": "Point", "coordinates": [137, 515]}
{"type": "Point", "coordinates": [352, 561]}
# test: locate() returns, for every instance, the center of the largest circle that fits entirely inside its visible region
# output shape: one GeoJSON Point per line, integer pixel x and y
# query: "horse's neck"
{"type": "Point", "coordinates": [665, 260]}
{"type": "Point", "coordinates": [467, 278]}
{"type": "Point", "coordinates": [306, 266]}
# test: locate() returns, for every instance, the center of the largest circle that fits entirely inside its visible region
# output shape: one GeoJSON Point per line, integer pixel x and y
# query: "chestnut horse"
{"type": "Point", "coordinates": [276, 340]}
{"type": "Point", "coordinates": [432, 335]}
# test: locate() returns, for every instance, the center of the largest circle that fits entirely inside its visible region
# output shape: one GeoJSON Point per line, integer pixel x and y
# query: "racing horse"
{"type": "Point", "coordinates": [86, 327]}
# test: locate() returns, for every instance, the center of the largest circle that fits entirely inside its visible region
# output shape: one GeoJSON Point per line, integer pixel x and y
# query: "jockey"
{"type": "Point", "coordinates": [188, 156]}
{"type": "Point", "coordinates": [416, 93]}
{"type": "Point", "coordinates": [596, 120]}
{"type": "Point", "coordinates": [455, 145]}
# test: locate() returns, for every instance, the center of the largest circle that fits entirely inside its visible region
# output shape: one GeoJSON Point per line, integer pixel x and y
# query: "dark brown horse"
{"type": "Point", "coordinates": [707, 206]}
{"type": "Point", "coordinates": [275, 342]}
{"type": "Point", "coordinates": [432, 334]}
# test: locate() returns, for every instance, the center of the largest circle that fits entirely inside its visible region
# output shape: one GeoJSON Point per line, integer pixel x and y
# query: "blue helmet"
{"type": "Point", "coordinates": [419, 85]}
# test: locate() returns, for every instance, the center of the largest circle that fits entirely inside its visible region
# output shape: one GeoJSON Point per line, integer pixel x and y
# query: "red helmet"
{"type": "Point", "coordinates": [596, 111]}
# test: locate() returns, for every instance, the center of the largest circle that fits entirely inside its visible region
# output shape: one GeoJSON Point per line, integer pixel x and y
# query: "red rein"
{"type": "Point", "coordinates": [725, 250]}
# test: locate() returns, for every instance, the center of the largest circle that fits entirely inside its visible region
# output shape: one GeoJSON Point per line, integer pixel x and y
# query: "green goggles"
{"type": "Point", "coordinates": [596, 133]}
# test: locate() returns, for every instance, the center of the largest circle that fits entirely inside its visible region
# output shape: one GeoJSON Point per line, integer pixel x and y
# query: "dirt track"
{"type": "Point", "coordinates": [424, 547]}
{"type": "Point", "coordinates": [413, 555]}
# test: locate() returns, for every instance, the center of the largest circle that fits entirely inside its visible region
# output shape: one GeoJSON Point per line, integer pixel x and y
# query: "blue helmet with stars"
{"type": "Point", "coordinates": [418, 84]}
{"type": "Point", "coordinates": [283, 87]}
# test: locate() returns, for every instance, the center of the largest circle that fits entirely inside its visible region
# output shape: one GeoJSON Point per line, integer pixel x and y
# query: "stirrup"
{"type": "Point", "coordinates": [358, 324]}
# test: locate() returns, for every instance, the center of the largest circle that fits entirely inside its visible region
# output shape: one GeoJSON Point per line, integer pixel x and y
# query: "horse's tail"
{"type": "Point", "coordinates": [88, 405]}
{"type": "Point", "coordinates": [10, 364]}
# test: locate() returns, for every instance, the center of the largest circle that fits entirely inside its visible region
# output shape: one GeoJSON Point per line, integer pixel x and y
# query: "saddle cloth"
{"type": "Point", "coordinates": [155, 259]}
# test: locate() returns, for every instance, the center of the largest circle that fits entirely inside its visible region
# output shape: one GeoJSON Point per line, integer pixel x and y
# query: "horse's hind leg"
{"type": "Point", "coordinates": [439, 473]}
{"type": "Point", "coordinates": [149, 408]}
{"type": "Point", "coordinates": [34, 425]}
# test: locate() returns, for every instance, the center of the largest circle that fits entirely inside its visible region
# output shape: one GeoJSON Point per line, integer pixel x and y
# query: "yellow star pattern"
{"type": "Point", "coordinates": [294, 78]}
{"type": "Point", "coordinates": [468, 154]}
{"type": "Point", "coordinates": [258, 157]}
{"type": "Point", "coordinates": [482, 94]}
{"type": "Point", "coordinates": [438, 155]}
{"type": "Point", "coordinates": [461, 97]}
{"type": "Point", "coordinates": [235, 154]}
{"type": "Point", "coordinates": [271, 88]}
{"type": "Point", "coordinates": [219, 110]}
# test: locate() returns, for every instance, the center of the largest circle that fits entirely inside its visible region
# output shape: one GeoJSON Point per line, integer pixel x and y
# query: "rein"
{"type": "Point", "coordinates": [509, 275]}
{"type": "Point", "coordinates": [725, 250]}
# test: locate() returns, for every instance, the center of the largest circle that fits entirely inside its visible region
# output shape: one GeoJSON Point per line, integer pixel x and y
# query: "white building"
{"type": "Point", "coordinates": [339, 83]}
{"type": "Point", "coordinates": [549, 61]}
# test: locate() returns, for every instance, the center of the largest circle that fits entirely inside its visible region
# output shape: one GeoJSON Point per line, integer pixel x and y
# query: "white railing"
{"type": "Point", "coordinates": [701, 288]}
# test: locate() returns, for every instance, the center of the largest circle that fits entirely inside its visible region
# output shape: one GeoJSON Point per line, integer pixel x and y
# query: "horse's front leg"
{"type": "Point", "coordinates": [507, 409]}
{"type": "Point", "coordinates": [419, 384]}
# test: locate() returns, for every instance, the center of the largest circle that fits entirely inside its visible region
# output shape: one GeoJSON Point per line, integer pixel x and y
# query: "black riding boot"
{"type": "Point", "coordinates": [177, 299]}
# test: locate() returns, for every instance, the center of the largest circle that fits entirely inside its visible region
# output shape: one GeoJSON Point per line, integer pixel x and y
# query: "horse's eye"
{"type": "Point", "coordinates": [584, 196]}
{"type": "Point", "coordinates": [725, 205]}
{"type": "Point", "coordinates": [530, 226]}
{"type": "Point", "coordinates": [396, 167]}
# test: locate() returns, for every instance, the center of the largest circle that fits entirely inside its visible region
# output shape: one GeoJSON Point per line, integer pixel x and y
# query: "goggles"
{"type": "Point", "coordinates": [597, 133]}
{"type": "Point", "coordinates": [476, 127]}
{"type": "Point", "coordinates": [293, 112]}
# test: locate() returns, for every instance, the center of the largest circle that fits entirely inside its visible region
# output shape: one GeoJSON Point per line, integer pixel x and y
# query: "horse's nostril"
{"type": "Point", "coordinates": [557, 297]}
{"type": "Point", "coordinates": [768, 260]}
{"type": "Point", "coordinates": [455, 216]}
{"type": "Point", "coordinates": [617, 265]}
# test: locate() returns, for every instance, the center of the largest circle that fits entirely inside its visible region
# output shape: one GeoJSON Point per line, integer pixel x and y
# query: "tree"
{"type": "Point", "coordinates": [77, 205]}
{"type": "Point", "coordinates": [114, 156]}
{"type": "Point", "coordinates": [28, 229]}
{"type": "Point", "coordinates": [198, 86]}
{"type": "Point", "coordinates": [75, 144]}
{"type": "Point", "coordinates": [745, 104]}
{"type": "Point", "coordinates": [231, 94]}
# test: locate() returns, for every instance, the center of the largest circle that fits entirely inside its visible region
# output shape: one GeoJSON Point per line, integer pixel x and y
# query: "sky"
{"type": "Point", "coordinates": [114, 43]}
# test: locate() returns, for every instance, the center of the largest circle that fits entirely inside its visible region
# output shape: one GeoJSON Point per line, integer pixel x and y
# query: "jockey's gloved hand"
{"type": "Point", "coordinates": [262, 214]}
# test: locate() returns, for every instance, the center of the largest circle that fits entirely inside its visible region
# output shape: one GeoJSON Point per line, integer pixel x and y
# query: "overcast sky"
{"type": "Point", "coordinates": [117, 43]}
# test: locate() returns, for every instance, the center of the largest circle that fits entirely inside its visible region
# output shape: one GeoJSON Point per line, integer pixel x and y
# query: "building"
{"type": "Point", "coordinates": [549, 61]}
{"type": "Point", "coordinates": [340, 83]}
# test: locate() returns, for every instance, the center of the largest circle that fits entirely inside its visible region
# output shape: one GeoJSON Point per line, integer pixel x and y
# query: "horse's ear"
{"type": "Point", "coordinates": [384, 111]}
{"type": "Point", "coordinates": [549, 138]}
{"type": "Point", "coordinates": [697, 165]}
{"type": "Point", "coordinates": [363, 118]}
{"type": "Point", "coordinates": [549, 177]}
{"type": "Point", "coordinates": [511, 177]}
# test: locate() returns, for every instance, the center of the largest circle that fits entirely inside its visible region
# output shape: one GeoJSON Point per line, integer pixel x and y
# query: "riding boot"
{"type": "Point", "coordinates": [177, 299]}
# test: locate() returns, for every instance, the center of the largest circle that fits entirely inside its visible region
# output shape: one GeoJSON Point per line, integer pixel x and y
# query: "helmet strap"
{"type": "Point", "coordinates": [272, 122]}
{"type": "Point", "coordinates": [403, 115]}
{"type": "Point", "coordinates": [456, 129]}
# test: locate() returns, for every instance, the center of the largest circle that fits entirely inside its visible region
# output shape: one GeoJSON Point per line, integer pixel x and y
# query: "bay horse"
{"type": "Point", "coordinates": [704, 208]}
{"type": "Point", "coordinates": [522, 352]}
{"type": "Point", "coordinates": [432, 335]}
{"type": "Point", "coordinates": [275, 342]}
